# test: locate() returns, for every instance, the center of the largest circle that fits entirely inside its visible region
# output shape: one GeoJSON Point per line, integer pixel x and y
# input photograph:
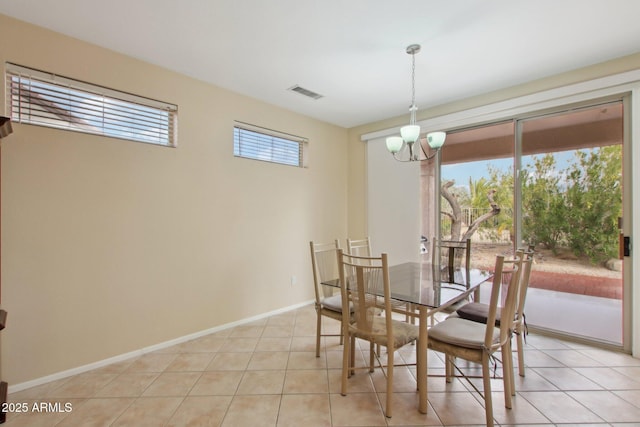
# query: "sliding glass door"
{"type": "Point", "coordinates": [570, 186]}
{"type": "Point", "coordinates": [554, 182]}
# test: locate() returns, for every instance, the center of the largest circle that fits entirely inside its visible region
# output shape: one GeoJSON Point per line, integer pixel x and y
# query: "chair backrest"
{"type": "Point", "coordinates": [509, 306]}
{"type": "Point", "coordinates": [362, 281]}
{"type": "Point", "coordinates": [513, 293]}
{"type": "Point", "coordinates": [527, 263]}
{"type": "Point", "coordinates": [359, 247]}
{"type": "Point", "coordinates": [449, 251]}
{"type": "Point", "coordinates": [324, 263]}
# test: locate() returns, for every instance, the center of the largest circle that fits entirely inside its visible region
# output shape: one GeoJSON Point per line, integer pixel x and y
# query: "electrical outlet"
{"type": "Point", "coordinates": [294, 280]}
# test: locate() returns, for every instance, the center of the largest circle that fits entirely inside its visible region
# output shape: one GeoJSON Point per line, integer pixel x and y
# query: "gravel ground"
{"type": "Point", "coordinates": [483, 255]}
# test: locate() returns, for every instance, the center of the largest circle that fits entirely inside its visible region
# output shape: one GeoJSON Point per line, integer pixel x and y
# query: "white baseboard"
{"type": "Point", "coordinates": [136, 353]}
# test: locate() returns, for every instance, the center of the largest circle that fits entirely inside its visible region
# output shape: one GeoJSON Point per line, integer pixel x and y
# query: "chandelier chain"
{"type": "Point", "coordinates": [413, 80]}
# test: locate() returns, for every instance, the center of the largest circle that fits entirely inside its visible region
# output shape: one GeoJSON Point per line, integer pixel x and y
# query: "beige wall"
{"type": "Point", "coordinates": [110, 246]}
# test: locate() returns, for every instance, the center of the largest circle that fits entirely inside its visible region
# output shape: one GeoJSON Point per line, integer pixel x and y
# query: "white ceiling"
{"type": "Point", "coordinates": [351, 51]}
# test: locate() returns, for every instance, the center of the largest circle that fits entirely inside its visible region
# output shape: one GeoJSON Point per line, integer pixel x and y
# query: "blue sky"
{"type": "Point", "coordinates": [461, 172]}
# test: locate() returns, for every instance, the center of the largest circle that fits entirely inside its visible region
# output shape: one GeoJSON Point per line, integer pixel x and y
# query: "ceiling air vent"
{"type": "Point", "coordinates": [305, 92]}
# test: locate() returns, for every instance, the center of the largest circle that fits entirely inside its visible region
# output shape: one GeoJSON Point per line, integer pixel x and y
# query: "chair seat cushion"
{"type": "Point", "coordinates": [461, 332]}
{"type": "Point", "coordinates": [477, 312]}
{"type": "Point", "coordinates": [333, 303]}
{"type": "Point", "coordinates": [403, 333]}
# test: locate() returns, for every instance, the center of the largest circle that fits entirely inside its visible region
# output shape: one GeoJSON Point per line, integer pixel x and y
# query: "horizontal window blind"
{"type": "Point", "coordinates": [253, 142]}
{"type": "Point", "coordinates": [45, 99]}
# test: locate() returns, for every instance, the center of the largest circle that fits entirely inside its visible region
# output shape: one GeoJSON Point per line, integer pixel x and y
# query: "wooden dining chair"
{"type": "Point", "coordinates": [328, 302]}
{"type": "Point", "coordinates": [479, 312]}
{"type": "Point", "coordinates": [364, 284]}
{"type": "Point", "coordinates": [478, 342]}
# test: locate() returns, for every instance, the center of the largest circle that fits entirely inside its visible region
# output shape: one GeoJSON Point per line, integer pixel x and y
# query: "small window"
{"type": "Point", "coordinates": [253, 142]}
{"type": "Point", "coordinates": [45, 99]}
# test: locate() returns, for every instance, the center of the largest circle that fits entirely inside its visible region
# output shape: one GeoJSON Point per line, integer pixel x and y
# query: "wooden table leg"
{"type": "Point", "coordinates": [422, 361]}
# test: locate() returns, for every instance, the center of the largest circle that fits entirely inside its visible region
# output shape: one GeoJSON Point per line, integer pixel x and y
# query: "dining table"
{"type": "Point", "coordinates": [430, 289]}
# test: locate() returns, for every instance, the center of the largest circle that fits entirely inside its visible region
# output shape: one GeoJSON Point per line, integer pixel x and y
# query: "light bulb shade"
{"type": "Point", "coordinates": [394, 144]}
{"type": "Point", "coordinates": [436, 139]}
{"type": "Point", "coordinates": [410, 133]}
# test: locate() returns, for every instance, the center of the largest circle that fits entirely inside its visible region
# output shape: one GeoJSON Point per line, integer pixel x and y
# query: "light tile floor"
{"type": "Point", "coordinates": [266, 374]}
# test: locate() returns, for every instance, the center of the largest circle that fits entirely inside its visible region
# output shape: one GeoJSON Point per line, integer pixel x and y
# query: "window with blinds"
{"type": "Point", "coordinates": [253, 142]}
{"type": "Point", "coordinates": [45, 99]}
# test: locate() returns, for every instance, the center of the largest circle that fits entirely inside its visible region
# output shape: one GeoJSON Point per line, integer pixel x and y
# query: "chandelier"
{"type": "Point", "coordinates": [410, 134]}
